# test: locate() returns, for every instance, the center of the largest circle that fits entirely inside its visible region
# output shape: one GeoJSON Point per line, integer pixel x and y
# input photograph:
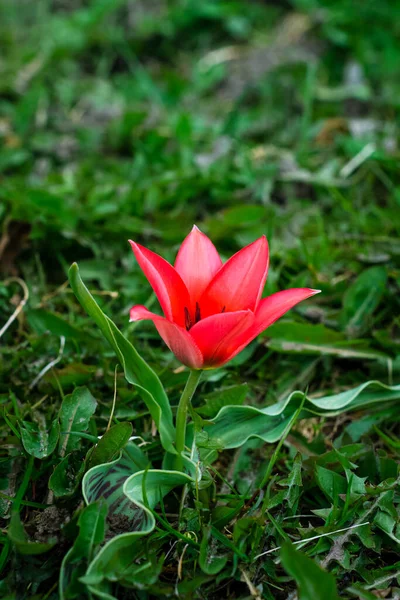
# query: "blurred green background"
{"type": "Point", "coordinates": [137, 119]}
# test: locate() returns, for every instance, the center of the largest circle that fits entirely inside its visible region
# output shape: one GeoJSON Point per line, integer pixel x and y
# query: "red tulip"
{"type": "Point", "coordinates": [212, 310]}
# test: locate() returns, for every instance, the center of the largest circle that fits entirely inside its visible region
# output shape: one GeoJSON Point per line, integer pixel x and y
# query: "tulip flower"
{"type": "Point", "coordinates": [212, 310]}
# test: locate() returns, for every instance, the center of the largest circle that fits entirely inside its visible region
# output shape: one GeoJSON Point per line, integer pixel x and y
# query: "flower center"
{"type": "Point", "coordinates": [188, 319]}
{"type": "Point", "coordinates": [197, 316]}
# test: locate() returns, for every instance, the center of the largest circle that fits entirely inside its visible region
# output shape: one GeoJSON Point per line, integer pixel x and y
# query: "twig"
{"type": "Point", "coordinates": [50, 365]}
{"type": "Point", "coordinates": [114, 399]}
{"type": "Point", "coordinates": [39, 402]}
{"type": "Point", "coordinates": [339, 543]}
{"type": "Point", "coordinates": [382, 580]}
{"type": "Point", "coordinates": [252, 589]}
{"type": "Point", "coordinates": [357, 160]}
{"type": "Point", "coordinates": [315, 537]}
{"type": "Point", "coordinates": [180, 562]}
{"type": "Point", "coordinates": [64, 288]}
{"type": "Point", "coordinates": [20, 305]}
{"type": "Point", "coordinates": [54, 293]}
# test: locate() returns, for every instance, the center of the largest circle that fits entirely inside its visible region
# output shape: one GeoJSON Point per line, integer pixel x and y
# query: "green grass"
{"type": "Point", "coordinates": [135, 120]}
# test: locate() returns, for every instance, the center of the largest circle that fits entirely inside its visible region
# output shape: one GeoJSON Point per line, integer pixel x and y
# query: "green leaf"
{"type": "Point", "coordinates": [115, 558]}
{"type": "Point", "coordinates": [137, 371]}
{"type": "Point", "coordinates": [67, 475]}
{"type": "Point", "coordinates": [386, 517]}
{"type": "Point", "coordinates": [305, 338]}
{"type": "Point", "coordinates": [360, 593]}
{"type": "Point", "coordinates": [121, 484]}
{"type": "Point", "coordinates": [111, 444]}
{"type": "Point", "coordinates": [313, 583]}
{"type": "Point", "coordinates": [293, 482]}
{"type": "Point", "coordinates": [232, 396]}
{"type": "Point", "coordinates": [19, 538]}
{"type": "Point", "coordinates": [331, 483]}
{"type": "Point", "coordinates": [362, 299]}
{"type": "Point", "coordinates": [26, 108]}
{"type": "Point", "coordinates": [37, 441]}
{"type": "Point", "coordinates": [155, 483]}
{"type": "Point", "coordinates": [236, 217]}
{"type": "Point", "coordinates": [385, 502]}
{"type": "Point", "coordinates": [42, 321]}
{"type": "Point", "coordinates": [106, 481]}
{"type": "Point", "coordinates": [385, 522]}
{"type": "Point", "coordinates": [75, 413]}
{"type": "Point", "coordinates": [234, 425]}
{"type": "Point", "coordinates": [73, 374]}
{"type": "Point", "coordinates": [210, 563]}
{"type": "Point", "coordinates": [91, 524]}
{"type": "Point", "coordinates": [356, 484]}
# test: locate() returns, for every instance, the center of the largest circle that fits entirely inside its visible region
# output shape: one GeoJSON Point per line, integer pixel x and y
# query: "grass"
{"type": "Point", "coordinates": [135, 120]}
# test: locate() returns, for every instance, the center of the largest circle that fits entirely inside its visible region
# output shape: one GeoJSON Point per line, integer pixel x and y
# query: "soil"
{"type": "Point", "coordinates": [48, 524]}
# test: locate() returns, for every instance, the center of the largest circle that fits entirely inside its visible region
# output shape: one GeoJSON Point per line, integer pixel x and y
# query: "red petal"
{"type": "Point", "coordinates": [239, 283]}
{"type": "Point", "coordinates": [140, 313]}
{"type": "Point", "coordinates": [270, 310]}
{"type": "Point", "coordinates": [178, 340]}
{"type": "Point", "coordinates": [214, 335]}
{"type": "Point", "coordinates": [197, 262]}
{"type": "Point", "coordinates": [165, 281]}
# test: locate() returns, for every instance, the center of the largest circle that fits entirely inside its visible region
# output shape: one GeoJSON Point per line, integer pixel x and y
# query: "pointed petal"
{"type": "Point", "coordinates": [270, 310]}
{"type": "Point", "coordinates": [140, 313]}
{"type": "Point", "coordinates": [165, 281]}
{"type": "Point", "coordinates": [239, 283]}
{"type": "Point", "coordinates": [197, 262]}
{"type": "Point", "coordinates": [214, 334]}
{"type": "Point", "coordinates": [178, 340]}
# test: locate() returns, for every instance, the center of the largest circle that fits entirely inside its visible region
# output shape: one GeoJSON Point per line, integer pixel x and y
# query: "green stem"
{"type": "Point", "coordinates": [24, 485]}
{"type": "Point", "coordinates": [181, 415]}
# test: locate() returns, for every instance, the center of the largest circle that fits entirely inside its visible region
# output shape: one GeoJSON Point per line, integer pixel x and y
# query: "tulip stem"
{"type": "Point", "coordinates": [181, 415]}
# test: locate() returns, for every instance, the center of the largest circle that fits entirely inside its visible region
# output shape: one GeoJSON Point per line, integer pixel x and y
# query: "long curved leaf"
{"type": "Point", "coordinates": [137, 371]}
{"type": "Point", "coordinates": [120, 484]}
{"type": "Point", "coordinates": [91, 524]}
{"type": "Point", "coordinates": [124, 496]}
{"type": "Point", "coordinates": [106, 481]}
{"type": "Point", "coordinates": [234, 425]}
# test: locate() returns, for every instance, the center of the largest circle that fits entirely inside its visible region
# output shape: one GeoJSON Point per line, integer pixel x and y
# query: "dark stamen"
{"type": "Point", "coordinates": [188, 320]}
{"type": "Point", "coordinates": [223, 310]}
{"type": "Point", "coordinates": [197, 315]}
